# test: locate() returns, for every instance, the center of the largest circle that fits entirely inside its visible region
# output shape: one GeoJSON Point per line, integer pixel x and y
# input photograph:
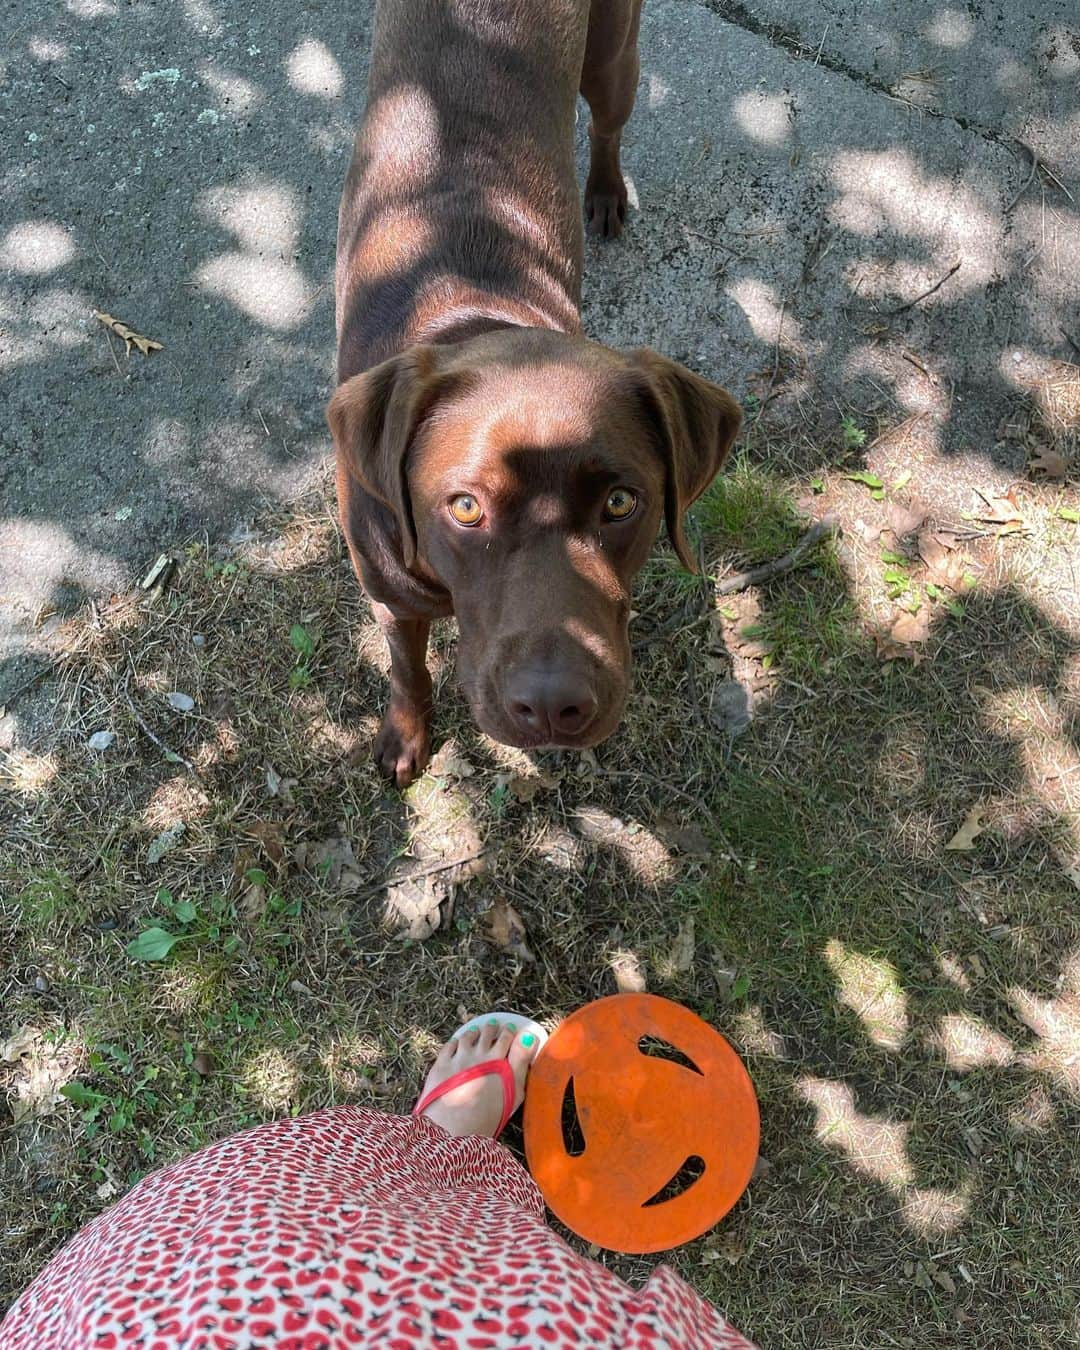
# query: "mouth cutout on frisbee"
{"type": "Point", "coordinates": [641, 1124]}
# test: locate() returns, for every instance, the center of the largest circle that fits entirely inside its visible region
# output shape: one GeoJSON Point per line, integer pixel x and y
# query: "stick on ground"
{"type": "Point", "coordinates": [754, 576]}
{"type": "Point", "coordinates": [168, 752]}
{"type": "Point", "coordinates": [935, 287]}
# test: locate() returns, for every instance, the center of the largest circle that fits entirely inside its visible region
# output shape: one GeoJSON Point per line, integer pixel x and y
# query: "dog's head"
{"type": "Point", "coordinates": [528, 472]}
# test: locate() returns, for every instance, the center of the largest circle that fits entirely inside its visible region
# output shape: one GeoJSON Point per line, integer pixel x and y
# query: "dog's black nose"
{"type": "Point", "coordinates": [554, 705]}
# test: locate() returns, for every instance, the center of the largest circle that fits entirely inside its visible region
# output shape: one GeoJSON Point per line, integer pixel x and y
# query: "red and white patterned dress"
{"type": "Point", "coordinates": [344, 1228]}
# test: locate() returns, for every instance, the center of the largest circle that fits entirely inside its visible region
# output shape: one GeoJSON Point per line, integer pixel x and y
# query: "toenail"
{"type": "Point", "coordinates": [528, 1040]}
{"type": "Point", "coordinates": [493, 1021]}
{"type": "Point", "coordinates": [511, 1026]}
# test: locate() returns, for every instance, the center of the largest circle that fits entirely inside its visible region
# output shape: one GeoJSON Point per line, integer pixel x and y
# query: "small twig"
{"type": "Point", "coordinates": [1071, 341]}
{"type": "Point", "coordinates": [169, 753]}
{"type": "Point", "coordinates": [912, 359]}
{"type": "Point", "coordinates": [58, 79]}
{"type": "Point", "coordinates": [116, 363]}
{"type": "Point", "coordinates": [776, 362]}
{"type": "Point", "coordinates": [1027, 181]}
{"type": "Point", "coordinates": [423, 872]}
{"type": "Point", "coordinates": [101, 255]}
{"type": "Point", "coordinates": [718, 243]}
{"type": "Point", "coordinates": [754, 576]}
{"type": "Point", "coordinates": [1037, 162]}
{"type": "Point", "coordinates": [936, 287]}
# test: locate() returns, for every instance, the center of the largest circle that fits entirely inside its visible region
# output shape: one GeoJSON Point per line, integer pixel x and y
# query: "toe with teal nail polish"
{"type": "Point", "coordinates": [504, 1020]}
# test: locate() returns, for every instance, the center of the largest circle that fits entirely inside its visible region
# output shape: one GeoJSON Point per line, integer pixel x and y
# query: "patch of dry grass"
{"type": "Point", "coordinates": [911, 1016]}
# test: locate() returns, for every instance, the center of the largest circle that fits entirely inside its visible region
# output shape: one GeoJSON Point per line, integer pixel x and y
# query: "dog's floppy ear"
{"type": "Point", "coordinates": [373, 418]}
{"type": "Point", "coordinates": [696, 422]}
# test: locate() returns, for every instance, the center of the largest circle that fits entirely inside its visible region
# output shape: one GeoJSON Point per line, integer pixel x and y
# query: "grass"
{"type": "Point", "coordinates": [910, 1014]}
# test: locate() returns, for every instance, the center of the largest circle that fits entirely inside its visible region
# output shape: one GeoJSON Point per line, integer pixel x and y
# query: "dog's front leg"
{"type": "Point", "coordinates": [403, 745]}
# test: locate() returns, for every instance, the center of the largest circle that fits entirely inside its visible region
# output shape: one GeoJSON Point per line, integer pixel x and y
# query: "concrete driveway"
{"type": "Point", "coordinates": [798, 182]}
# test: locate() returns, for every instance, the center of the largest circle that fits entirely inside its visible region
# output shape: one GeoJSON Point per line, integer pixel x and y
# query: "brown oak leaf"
{"type": "Point", "coordinates": [1050, 464]}
{"type": "Point", "coordinates": [505, 929]}
{"type": "Point", "coordinates": [131, 338]}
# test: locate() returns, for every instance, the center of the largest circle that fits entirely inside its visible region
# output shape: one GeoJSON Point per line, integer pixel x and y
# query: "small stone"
{"type": "Point", "coordinates": [41, 984]}
{"type": "Point", "coordinates": [101, 740]}
{"type": "Point", "coordinates": [198, 640]}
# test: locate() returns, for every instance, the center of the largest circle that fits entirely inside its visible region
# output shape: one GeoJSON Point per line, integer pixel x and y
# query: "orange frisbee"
{"type": "Point", "coordinates": [642, 1117]}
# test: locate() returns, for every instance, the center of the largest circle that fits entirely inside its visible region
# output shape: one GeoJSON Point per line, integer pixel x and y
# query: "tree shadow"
{"type": "Point", "coordinates": [906, 1012]}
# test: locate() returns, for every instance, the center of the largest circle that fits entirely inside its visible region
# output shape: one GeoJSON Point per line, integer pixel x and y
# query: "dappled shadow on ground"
{"type": "Point", "coordinates": [910, 1014]}
{"type": "Point", "coordinates": [180, 167]}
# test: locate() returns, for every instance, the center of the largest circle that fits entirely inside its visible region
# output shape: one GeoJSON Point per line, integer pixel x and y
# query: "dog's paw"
{"type": "Point", "coordinates": [605, 208]}
{"type": "Point", "coordinates": [403, 746]}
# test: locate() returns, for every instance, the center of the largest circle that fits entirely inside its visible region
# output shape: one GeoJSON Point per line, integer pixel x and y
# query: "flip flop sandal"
{"type": "Point", "coordinates": [500, 1067]}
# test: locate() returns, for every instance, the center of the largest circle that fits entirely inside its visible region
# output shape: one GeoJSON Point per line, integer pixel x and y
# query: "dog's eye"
{"type": "Point", "coordinates": [620, 504]}
{"type": "Point", "coordinates": [466, 510]}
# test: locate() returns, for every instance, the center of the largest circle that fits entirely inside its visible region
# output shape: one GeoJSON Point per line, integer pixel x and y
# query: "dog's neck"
{"type": "Point", "coordinates": [472, 312]}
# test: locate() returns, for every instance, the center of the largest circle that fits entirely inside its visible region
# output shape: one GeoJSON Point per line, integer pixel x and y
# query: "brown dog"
{"type": "Point", "coordinates": [491, 462]}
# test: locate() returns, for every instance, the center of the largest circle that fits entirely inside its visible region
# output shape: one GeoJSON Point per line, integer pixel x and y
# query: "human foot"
{"type": "Point", "coordinates": [477, 1106]}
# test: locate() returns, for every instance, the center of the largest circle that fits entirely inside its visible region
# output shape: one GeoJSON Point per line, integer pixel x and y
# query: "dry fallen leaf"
{"type": "Point", "coordinates": [166, 840]}
{"type": "Point", "coordinates": [203, 1063]}
{"type": "Point", "coordinates": [38, 1077]}
{"type": "Point", "coordinates": [731, 707]}
{"type": "Point", "coordinates": [333, 861]}
{"type": "Point", "coordinates": [911, 627]}
{"type": "Point", "coordinates": [278, 786]}
{"type": "Point", "coordinates": [271, 835]}
{"type": "Point", "coordinates": [447, 763]}
{"type": "Point", "coordinates": [683, 947]}
{"type": "Point", "coordinates": [131, 338]}
{"type": "Point", "coordinates": [905, 520]}
{"type": "Point", "coordinates": [965, 836]}
{"type": "Point", "coordinates": [1049, 463]}
{"type": "Point", "coordinates": [20, 1043]}
{"type": "Point", "coordinates": [252, 904]}
{"type": "Point", "coordinates": [902, 641]}
{"type": "Point", "coordinates": [1002, 511]}
{"type": "Point", "coordinates": [944, 566]}
{"type": "Point", "coordinates": [524, 789]}
{"type": "Point", "coordinates": [504, 928]}
{"type": "Point", "coordinates": [417, 907]}
{"type": "Point", "coordinates": [1071, 866]}
{"type": "Point", "coordinates": [629, 977]}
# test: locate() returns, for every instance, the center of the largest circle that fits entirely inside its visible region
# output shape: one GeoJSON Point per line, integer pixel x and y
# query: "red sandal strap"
{"type": "Point", "coordinates": [501, 1067]}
